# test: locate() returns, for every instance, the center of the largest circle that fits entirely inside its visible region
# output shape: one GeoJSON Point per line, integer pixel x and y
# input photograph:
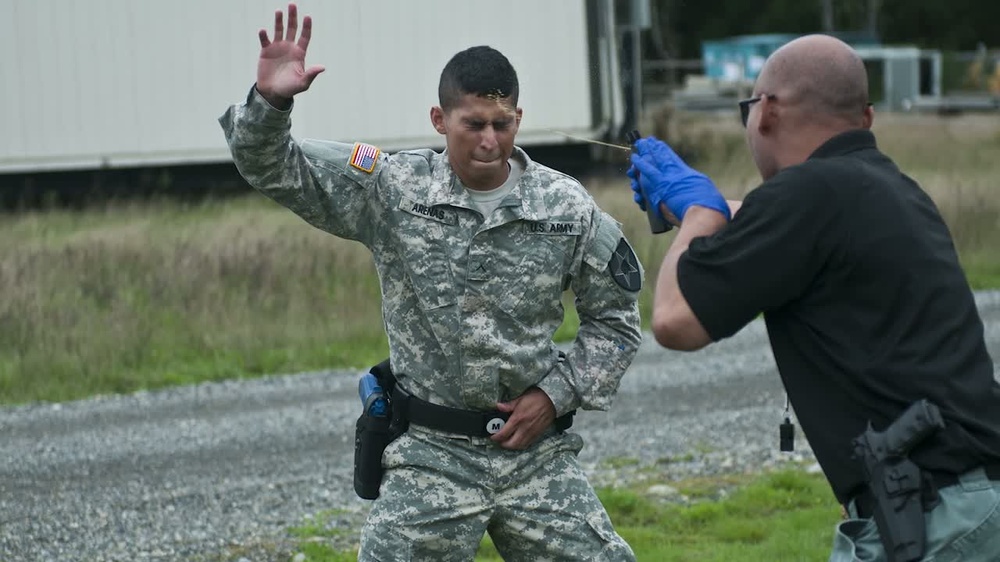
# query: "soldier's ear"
{"type": "Point", "coordinates": [437, 119]}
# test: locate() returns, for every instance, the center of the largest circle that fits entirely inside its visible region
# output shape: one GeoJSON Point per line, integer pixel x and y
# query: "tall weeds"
{"type": "Point", "coordinates": [134, 296]}
{"type": "Point", "coordinates": [117, 305]}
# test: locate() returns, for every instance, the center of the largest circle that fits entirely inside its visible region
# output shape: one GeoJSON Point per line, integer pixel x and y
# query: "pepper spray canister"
{"type": "Point", "coordinates": [656, 223]}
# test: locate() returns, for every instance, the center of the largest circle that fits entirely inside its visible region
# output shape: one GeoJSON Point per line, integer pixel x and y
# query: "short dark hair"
{"type": "Point", "coordinates": [482, 71]}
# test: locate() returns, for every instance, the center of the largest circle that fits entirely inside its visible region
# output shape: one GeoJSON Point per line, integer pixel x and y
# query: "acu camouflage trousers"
{"type": "Point", "coordinates": [441, 493]}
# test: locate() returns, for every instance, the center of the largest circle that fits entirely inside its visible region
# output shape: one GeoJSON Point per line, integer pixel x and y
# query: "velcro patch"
{"type": "Point", "coordinates": [624, 267]}
{"type": "Point", "coordinates": [561, 228]}
{"type": "Point", "coordinates": [364, 157]}
{"type": "Point", "coordinates": [433, 212]}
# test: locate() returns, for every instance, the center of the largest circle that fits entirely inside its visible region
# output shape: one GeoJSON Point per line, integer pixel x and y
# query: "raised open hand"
{"type": "Point", "coordinates": [281, 71]}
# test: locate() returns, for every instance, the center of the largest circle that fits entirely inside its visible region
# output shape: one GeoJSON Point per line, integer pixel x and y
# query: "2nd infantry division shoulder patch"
{"type": "Point", "coordinates": [624, 267]}
{"type": "Point", "coordinates": [364, 157]}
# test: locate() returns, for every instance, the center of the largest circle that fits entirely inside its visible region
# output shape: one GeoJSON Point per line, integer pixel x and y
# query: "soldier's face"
{"type": "Point", "coordinates": [480, 134]}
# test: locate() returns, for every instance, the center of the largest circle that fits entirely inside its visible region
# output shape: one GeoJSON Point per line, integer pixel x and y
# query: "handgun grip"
{"type": "Point", "coordinates": [920, 420]}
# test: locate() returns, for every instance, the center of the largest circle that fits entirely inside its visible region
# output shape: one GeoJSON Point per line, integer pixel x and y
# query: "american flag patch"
{"type": "Point", "coordinates": [364, 157]}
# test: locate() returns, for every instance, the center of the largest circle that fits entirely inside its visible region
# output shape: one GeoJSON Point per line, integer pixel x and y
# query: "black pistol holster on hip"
{"type": "Point", "coordinates": [895, 483]}
{"type": "Point", "coordinates": [373, 434]}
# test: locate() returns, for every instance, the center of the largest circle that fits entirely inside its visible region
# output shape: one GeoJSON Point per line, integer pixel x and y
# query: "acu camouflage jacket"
{"type": "Point", "coordinates": [470, 303]}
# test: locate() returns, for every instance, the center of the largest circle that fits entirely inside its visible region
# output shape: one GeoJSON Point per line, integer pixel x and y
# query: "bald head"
{"type": "Point", "coordinates": [820, 74]}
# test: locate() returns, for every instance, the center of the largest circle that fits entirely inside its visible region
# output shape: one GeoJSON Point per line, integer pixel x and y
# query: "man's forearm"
{"type": "Point", "coordinates": [589, 376]}
{"type": "Point", "coordinates": [259, 137]}
{"type": "Point", "coordinates": [674, 324]}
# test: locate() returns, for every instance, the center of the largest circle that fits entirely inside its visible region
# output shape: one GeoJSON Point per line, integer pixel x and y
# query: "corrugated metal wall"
{"type": "Point", "coordinates": [134, 82]}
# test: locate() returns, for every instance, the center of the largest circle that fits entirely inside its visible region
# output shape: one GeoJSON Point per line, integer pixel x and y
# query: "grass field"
{"type": "Point", "coordinates": [786, 515]}
{"type": "Point", "coordinates": [141, 296]}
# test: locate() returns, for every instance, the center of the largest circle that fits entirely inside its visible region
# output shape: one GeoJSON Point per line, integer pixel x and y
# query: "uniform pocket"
{"type": "Point", "coordinates": [966, 525]}
{"type": "Point", "coordinates": [857, 540]}
{"type": "Point", "coordinates": [534, 276]}
{"type": "Point", "coordinates": [392, 456]}
{"type": "Point", "coordinates": [383, 543]}
{"type": "Point", "coordinates": [426, 259]}
{"type": "Point", "coordinates": [614, 549]}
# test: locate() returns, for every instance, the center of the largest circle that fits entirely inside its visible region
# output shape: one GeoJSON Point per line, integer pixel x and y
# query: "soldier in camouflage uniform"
{"type": "Point", "coordinates": [474, 248]}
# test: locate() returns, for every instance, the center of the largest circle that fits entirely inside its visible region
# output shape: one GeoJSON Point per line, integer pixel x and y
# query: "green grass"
{"type": "Point", "coordinates": [317, 535]}
{"type": "Point", "coordinates": [784, 515]}
{"type": "Point", "coordinates": [619, 462]}
{"type": "Point", "coordinates": [142, 296]}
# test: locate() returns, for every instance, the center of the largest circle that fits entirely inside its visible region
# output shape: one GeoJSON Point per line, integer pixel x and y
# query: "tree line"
{"type": "Point", "coordinates": [680, 26]}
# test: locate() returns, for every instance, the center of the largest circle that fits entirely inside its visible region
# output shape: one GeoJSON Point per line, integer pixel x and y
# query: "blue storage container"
{"type": "Point", "coordinates": [740, 58]}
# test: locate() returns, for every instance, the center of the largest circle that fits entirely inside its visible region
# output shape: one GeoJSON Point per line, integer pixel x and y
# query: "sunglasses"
{"type": "Point", "coordinates": [745, 105]}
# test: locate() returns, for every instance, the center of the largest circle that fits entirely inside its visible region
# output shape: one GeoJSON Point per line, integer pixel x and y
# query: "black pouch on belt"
{"type": "Point", "coordinates": [372, 435]}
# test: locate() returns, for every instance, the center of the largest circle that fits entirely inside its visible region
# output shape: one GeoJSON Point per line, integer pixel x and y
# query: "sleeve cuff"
{"type": "Point", "coordinates": [265, 113]}
{"type": "Point", "coordinates": [559, 390]}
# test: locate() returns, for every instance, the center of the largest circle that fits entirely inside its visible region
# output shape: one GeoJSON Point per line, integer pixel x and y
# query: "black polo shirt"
{"type": "Point", "coordinates": [866, 306]}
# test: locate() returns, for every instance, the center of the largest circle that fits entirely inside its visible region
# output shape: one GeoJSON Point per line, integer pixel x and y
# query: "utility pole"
{"type": "Point", "coordinates": [641, 19]}
{"type": "Point", "coordinates": [872, 25]}
{"type": "Point", "coordinates": [637, 19]}
{"type": "Point", "coordinates": [827, 9]}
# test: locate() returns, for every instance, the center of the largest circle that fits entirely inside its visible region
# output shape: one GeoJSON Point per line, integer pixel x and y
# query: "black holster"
{"type": "Point", "coordinates": [895, 483]}
{"type": "Point", "coordinates": [372, 435]}
{"type": "Point", "coordinates": [897, 491]}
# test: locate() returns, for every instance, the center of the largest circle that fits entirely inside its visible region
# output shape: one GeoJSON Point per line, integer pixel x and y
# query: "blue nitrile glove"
{"type": "Point", "coordinates": [665, 178]}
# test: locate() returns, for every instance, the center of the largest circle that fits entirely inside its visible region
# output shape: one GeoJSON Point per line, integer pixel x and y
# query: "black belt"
{"type": "Point", "coordinates": [864, 503]}
{"type": "Point", "coordinates": [474, 423]}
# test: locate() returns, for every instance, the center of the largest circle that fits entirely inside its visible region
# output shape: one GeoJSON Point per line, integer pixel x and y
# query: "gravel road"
{"type": "Point", "coordinates": [221, 471]}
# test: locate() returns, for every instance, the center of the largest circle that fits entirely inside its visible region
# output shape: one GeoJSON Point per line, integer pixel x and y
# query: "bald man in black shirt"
{"type": "Point", "coordinates": [867, 308]}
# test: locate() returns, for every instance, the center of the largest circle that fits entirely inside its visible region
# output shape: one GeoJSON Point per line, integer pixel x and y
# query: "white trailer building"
{"type": "Point", "coordinates": [91, 84]}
